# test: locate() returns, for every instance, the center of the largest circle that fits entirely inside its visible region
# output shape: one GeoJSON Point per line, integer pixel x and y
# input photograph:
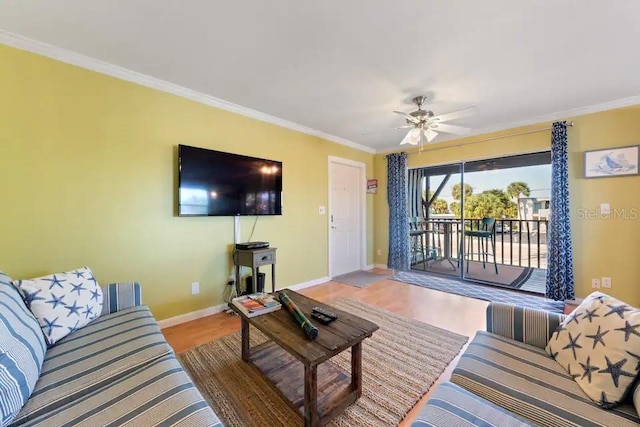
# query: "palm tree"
{"type": "Point", "coordinates": [456, 192]}
{"type": "Point", "coordinates": [515, 189]}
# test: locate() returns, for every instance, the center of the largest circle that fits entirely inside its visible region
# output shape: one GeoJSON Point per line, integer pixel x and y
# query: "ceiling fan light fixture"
{"type": "Point", "coordinates": [427, 125]}
{"type": "Point", "coordinates": [412, 137]}
{"type": "Point", "coordinates": [430, 135]}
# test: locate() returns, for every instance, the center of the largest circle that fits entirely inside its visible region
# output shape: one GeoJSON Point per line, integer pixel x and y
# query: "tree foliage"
{"type": "Point", "coordinates": [493, 203]}
{"type": "Point", "coordinates": [456, 192]}
{"type": "Point", "coordinates": [439, 206]}
{"type": "Point", "coordinates": [516, 188]}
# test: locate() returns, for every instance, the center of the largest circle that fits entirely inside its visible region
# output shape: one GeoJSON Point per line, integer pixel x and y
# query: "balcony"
{"type": "Point", "coordinates": [520, 252]}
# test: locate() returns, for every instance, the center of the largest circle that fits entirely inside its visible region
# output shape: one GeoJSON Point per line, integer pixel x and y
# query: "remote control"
{"type": "Point", "coordinates": [325, 320]}
{"type": "Point", "coordinates": [324, 312]}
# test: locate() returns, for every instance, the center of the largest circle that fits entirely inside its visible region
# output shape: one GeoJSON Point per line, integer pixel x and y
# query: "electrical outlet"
{"type": "Point", "coordinates": [595, 283]}
{"type": "Point", "coordinates": [606, 282]}
{"type": "Point", "coordinates": [195, 288]}
{"type": "Point", "coordinates": [322, 210]}
{"type": "Point", "coordinates": [379, 252]}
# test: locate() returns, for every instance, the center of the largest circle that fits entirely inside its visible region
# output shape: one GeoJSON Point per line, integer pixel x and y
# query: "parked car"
{"type": "Point", "coordinates": [503, 228]}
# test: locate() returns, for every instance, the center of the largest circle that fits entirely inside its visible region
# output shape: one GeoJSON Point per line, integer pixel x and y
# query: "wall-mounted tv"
{"type": "Point", "coordinates": [214, 183]}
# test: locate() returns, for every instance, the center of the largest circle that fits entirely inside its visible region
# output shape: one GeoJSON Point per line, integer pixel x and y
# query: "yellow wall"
{"type": "Point", "coordinates": [88, 177]}
{"type": "Point", "coordinates": [602, 247]}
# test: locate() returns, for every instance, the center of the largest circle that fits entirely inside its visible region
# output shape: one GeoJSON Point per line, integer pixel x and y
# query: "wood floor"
{"type": "Point", "coordinates": [455, 313]}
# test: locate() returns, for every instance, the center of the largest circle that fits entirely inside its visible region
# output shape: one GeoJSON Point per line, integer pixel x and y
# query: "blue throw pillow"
{"type": "Point", "coordinates": [62, 302]}
{"type": "Point", "coordinates": [22, 349]}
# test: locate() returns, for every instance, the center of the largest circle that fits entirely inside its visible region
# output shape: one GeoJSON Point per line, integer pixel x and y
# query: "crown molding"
{"type": "Point", "coordinates": [82, 61]}
{"type": "Point", "coordinates": [558, 115]}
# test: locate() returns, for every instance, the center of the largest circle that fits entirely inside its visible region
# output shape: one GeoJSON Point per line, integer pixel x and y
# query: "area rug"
{"type": "Point", "coordinates": [400, 362]}
{"type": "Point", "coordinates": [478, 291]}
{"type": "Point", "coordinates": [509, 276]}
{"type": "Point", "coordinates": [360, 279]}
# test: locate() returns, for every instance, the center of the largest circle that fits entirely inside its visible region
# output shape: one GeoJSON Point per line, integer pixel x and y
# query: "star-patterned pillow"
{"type": "Point", "coordinates": [599, 346]}
{"type": "Point", "coordinates": [62, 302]}
{"type": "Point", "coordinates": [636, 398]}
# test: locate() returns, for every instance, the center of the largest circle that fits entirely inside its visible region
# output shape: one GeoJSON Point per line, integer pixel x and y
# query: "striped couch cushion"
{"type": "Point", "coordinates": [451, 406]}
{"type": "Point", "coordinates": [157, 394]}
{"type": "Point", "coordinates": [120, 296]}
{"type": "Point", "coordinates": [103, 351]}
{"type": "Point", "coordinates": [528, 325]}
{"type": "Point", "coordinates": [524, 380]}
{"type": "Point", "coordinates": [22, 350]}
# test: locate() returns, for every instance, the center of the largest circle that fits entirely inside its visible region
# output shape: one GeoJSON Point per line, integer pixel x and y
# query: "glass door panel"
{"type": "Point", "coordinates": [513, 192]}
{"type": "Point", "coordinates": [436, 232]}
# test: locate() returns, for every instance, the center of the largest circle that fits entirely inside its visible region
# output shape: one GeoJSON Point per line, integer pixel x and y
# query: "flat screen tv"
{"type": "Point", "coordinates": [214, 183]}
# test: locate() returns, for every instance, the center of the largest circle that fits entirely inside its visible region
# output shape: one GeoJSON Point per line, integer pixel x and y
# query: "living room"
{"type": "Point", "coordinates": [97, 98]}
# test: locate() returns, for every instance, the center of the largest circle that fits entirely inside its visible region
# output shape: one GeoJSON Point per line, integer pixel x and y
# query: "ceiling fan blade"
{"type": "Point", "coordinates": [456, 130]}
{"type": "Point", "coordinates": [412, 137]}
{"type": "Point", "coordinates": [430, 134]}
{"type": "Point", "coordinates": [408, 116]}
{"type": "Point", "coordinates": [387, 129]}
{"type": "Point", "coordinates": [455, 114]}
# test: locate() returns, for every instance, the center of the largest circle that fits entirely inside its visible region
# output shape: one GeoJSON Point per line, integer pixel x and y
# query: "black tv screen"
{"type": "Point", "coordinates": [214, 183]}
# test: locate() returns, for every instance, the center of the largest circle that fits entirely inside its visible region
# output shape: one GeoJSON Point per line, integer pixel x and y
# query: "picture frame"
{"type": "Point", "coordinates": [372, 186]}
{"type": "Point", "coordinates": [612, 162]}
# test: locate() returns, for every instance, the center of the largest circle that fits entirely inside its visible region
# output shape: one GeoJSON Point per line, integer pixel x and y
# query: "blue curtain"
{"type": "Point", "coordinates": [398, 211]}
{"type": "Point", "coordinates": [560, 255]}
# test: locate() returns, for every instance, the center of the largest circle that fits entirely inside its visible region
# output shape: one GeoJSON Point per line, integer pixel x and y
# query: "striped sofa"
{"type": "Point", "coordinates": [506, 378]}
{"type": "Point", "coordinates": [116, 371]}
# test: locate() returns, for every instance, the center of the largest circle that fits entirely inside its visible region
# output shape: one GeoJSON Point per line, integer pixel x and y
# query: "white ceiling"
{"type": "Point", "coordinates": [342, 66]}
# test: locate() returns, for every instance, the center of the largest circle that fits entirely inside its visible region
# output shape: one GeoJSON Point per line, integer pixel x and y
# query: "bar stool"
{"type": "Point", "coordinates": [418, 243]}
{"type": "Point", "coordinates": [486, 235]}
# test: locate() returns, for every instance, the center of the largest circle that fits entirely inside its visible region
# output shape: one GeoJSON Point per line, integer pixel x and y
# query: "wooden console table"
{"type": "Point", "coordinates": [254, 258]}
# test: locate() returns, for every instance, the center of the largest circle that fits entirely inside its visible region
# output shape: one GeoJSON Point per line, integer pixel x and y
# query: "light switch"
{"type": "Point", "coordinates": [605, 209]}
{"type": "Point", "coordinates": [322, 210]}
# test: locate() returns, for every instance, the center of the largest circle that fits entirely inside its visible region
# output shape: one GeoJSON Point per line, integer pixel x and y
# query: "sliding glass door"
{"type": "Point", "coordinates": [484, 220]}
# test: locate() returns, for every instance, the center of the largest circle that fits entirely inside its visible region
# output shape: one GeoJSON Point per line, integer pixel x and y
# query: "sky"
{"type": "Point", "coordinates": [538, 177]}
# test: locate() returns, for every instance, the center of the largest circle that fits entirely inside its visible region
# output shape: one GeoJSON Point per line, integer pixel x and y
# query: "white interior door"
{"type": "Point", "coordinates": [345, 217]}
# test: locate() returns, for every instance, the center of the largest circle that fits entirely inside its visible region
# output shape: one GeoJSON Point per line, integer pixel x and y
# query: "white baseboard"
{"type": "Point", "coordinates": [187, 317]}
{"type": "Point", "coordinates": [368, 267]}
{"type": "Point", "coordinates": [383, 266]}
{"type": "Point", "coordinates": [309, 284]}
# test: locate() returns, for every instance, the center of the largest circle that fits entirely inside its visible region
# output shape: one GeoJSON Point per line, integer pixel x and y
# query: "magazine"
{"type": "Point", "coordinates": [252, 307]}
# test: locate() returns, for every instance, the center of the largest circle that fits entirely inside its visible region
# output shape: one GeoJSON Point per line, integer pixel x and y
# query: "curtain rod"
{"type": "Point", "coordinates": [569, 124]}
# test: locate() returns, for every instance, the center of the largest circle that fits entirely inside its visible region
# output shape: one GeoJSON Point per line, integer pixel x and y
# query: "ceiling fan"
{"type": "Point", "coordinates": [425, 125]}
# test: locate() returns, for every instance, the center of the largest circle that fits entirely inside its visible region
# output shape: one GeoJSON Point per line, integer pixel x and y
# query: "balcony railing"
{"type": "Point", "coordinates": [519, 242]}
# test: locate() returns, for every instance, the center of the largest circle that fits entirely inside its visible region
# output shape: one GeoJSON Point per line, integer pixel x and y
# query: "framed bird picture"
{"type": "Point", "coordinates": [618, 161]}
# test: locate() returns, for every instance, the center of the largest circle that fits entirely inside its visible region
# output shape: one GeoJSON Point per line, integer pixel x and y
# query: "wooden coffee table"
{"type": "Point", "coordinates": [293, 363]}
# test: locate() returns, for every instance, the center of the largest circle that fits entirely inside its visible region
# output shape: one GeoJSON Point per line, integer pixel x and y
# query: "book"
{"type": "Point", "coordinates": [264, 299]}
{"type": "Point", "coordinates": [251, 307]}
